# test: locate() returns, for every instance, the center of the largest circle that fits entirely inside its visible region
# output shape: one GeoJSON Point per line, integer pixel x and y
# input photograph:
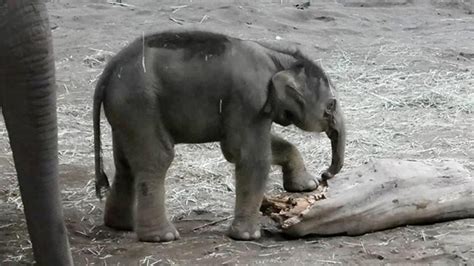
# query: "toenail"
{"type": "Point", "coordinates": [245, 235]}
{"type": "Point", "coordinates": [169, 236]}
{"type": "Point", "coordinates": [256, 234]}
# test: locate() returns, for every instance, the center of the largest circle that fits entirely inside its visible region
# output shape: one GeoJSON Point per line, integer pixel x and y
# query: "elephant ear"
{"type": "Point", "coordinates": [288, 88]}
{"type": "Point", "coordinates": [286, 83]}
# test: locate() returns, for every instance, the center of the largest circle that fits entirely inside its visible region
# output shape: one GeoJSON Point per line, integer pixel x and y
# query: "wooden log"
{"type": "Point", "coordinates": [383, 194]}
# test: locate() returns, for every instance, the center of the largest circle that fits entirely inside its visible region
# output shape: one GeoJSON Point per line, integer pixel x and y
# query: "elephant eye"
{"type": "Point", "coordinates": [331, 105]}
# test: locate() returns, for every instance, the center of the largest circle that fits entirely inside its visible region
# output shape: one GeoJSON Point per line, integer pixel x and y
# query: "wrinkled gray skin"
{"type": "Point", "coordinates": [196, 87]}
{"type": "Point", "coordinates": [28, 104]}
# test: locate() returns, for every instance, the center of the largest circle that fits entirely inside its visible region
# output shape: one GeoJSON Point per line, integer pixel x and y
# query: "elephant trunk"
{"type": "Point", "coordinates": [29, 108]}
{"type": "Point", "coordinates": [337, 134]}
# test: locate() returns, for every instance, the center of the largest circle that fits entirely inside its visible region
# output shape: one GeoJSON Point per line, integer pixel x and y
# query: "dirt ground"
{"type": "Point", "coordinates": [405, 78]}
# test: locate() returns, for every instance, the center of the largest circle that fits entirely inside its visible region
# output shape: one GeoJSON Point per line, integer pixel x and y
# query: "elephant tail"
{"type": "Point", "coordinates": [101, 181]}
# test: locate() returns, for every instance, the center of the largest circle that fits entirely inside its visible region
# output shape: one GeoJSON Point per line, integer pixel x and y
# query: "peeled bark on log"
{"type": "Point", "coordinates": [379, 195]}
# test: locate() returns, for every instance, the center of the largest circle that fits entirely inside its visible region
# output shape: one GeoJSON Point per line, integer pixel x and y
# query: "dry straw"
{"type": "Point", "coordinates": [394, 106]}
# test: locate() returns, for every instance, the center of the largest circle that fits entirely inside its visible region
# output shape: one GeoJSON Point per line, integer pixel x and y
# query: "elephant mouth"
{"type": "Point", "coordinates": [288, 115]}
{"type": "Point", "coordinates": [284, 118]}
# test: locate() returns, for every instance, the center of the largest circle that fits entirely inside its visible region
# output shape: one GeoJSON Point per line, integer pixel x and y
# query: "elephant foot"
{"type": "Point", "coordinates": [242, 229]}
{"type": "Point", "coordinates": [164, 233]}
{"type": "Point", "coordinates": [299, 181]}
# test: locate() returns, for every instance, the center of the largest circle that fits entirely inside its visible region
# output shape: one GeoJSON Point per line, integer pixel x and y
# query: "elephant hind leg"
{"type": "Point", "coordinates": [149, 151]}
{"type": "Point", "coordinates": [295, 176]}
{"type": "Point", "coordinates": [120, 203]}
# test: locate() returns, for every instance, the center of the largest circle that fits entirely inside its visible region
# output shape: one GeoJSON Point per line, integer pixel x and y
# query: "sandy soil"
{"type": "Point", "coordinates": [405, 78]}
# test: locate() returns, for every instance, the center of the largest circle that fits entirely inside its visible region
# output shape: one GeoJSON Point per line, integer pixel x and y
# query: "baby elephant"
{"type": "Point", "coordinates": [195, 87]}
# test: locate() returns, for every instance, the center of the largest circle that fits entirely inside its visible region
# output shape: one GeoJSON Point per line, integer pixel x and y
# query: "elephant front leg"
{"type": "Point", "coordinates": [251, 168]}
{"type": "Point", "coordinates": [295, 176]}
{"type": "Point", "coordinates": [251, 178]}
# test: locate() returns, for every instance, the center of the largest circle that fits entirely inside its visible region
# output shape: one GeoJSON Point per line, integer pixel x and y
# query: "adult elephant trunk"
{"type": "Point", "coordinates": [337, 134]}
{"type": "Point", "coordinates": [28, 99]}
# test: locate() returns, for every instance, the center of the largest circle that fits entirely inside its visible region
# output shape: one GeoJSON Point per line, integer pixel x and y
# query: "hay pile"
{"type": "Point", "coordinates": [404, 95]}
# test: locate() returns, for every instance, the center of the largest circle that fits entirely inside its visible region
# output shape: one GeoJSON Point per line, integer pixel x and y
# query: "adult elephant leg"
{"type": "Point", "coordinates": [120, 204]}
{"type": "Point", "coordinates": [30, 117]}
{"type": "Point", "coordinates": [295, 176]}
{"type": "Point", "coordinates": [29, 107]}
{"type": "Point", "coordinates": [34, 144]}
